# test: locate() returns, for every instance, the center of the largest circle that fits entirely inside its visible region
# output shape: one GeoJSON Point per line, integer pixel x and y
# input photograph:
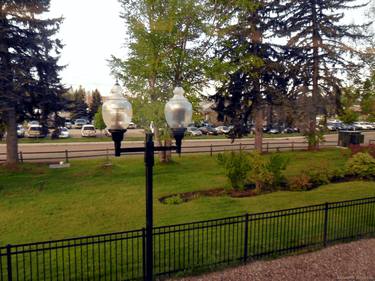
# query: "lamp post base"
{"type": "Point", "coordinates": [117, 137]}
{"type": "Point", "coordinates": [178, 135]}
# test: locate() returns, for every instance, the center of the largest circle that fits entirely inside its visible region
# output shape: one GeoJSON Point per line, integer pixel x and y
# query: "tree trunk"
{"type": "Point", "coordinates": [168, 153]}
{"type": "Point", "coordinates": [259, 128]}
{"type": "Point", "coordinates": [11, 140]}
{"type": "Point", "coordinates": [315, 90]}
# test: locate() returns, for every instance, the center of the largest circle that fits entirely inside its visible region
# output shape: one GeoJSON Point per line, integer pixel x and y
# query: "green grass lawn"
{"type": "Point", "coordinates": [38, 203]}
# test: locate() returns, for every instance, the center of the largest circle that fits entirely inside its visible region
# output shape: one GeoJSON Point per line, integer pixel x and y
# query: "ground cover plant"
{"type": "Point", "coordinates": [37, 203]}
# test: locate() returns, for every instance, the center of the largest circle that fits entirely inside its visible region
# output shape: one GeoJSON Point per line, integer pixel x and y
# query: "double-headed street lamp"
{"type": "Point", "coordinates": [117, 114]}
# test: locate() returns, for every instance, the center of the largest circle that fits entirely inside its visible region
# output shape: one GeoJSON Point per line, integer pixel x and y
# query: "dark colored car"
{"type": "Point", "coordinates": [208, 130]}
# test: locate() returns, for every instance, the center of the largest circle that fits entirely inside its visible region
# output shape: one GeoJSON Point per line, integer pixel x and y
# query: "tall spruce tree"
{"type": "Point", "coordinates": [28, 66]}
{"type": "Point", "coordinates": [78, 105]}
{"type": "Point", "coordinates": [249, 67]}
{"type": "Point", "coordinates": [96, 102]}
{"type": "Point", "coordinates": [315, 28]}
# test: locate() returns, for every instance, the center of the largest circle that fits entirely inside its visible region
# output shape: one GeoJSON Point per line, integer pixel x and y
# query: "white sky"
{"type": "Point", "coordinates": [92, 31]}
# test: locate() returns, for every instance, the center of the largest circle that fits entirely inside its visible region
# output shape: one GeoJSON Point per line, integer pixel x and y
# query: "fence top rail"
{"type": "Point", "coordinates": [136, 232]}
{"type": "Point", "coordinates": [251, 216]}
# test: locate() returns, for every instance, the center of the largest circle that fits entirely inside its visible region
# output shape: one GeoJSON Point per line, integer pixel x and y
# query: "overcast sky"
{"type": "Point", "coordinates": [92, 31]}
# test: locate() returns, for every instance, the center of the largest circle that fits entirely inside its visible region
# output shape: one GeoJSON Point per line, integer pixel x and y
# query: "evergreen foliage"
{"type": "Point", "coordinates": [78, 105]}
{"type": "Point", "coordinates": [325, 52]}
{"type": "Point", "coordinates": [98, 120]}
{"type": "Point", "coordinates": [96, 102]}
{"type": "Point", "coordinates": [250, 67]}
{"type": "Point", "coordinates": [29, 53]}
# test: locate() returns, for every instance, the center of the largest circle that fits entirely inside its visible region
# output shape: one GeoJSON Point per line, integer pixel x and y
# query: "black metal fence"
{"type": "Point", "coordinates": [66, 155]}
{"type": "Point", "coordinates": [191, 246]}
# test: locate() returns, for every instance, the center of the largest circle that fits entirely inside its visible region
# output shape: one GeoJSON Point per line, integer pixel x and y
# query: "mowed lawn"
{"type": "Point", "coordinates": [38, 203]}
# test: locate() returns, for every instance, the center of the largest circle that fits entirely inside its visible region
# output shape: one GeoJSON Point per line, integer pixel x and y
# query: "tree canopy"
{"type": "Point", "coordinates": [29, 70]}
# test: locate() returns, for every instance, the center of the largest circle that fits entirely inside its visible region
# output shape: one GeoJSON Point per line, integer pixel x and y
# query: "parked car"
{"type": "Point", "coordinates": [64, 133]}
{"type": "Point", "coordinates": [371, 125]}
{"type": "Point", "coordinates": [107, 133]}
{"type": "Point", "coordinates": [20, 131]}
{"type": "Point", "coordinates": [132, 126]}
{"type": "Point", "coordinates": [68, 124]}
{"type": "Point", "coordinates": [35, 131]}
{"type": "Point", "coordinates": [288, 130]}
{"type": "Point", "coordinates": [88, 131]}
{"type": "Point", "coordinates": [362, 126]}
{"type": "Point", "coordinates": [273, 131]}
{"type": "Point", "coordinates": [348, 127]}
{"type": "Point", "coordinates": [79, 123]}
{"type": "Point", "coordinates": [208, 130]}
{"type": "Point", "coordinates": [34, 122]}
{"type": "Point", "coordinates": [193, 131]}
{"type": "Point", "coordinates": [222, 130]}
{"type": "Point", "coordinates": [334, 126]}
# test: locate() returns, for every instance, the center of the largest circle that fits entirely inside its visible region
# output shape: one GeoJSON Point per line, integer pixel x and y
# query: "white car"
{"type": "Point", "coordinates": [64, 133]}
{"type": "Point", "coordinates": [88, 131]}
{"type": "Point", "coordinates": [362, 126]}
{"type": "Point", "coordinates": [194, 131]}
{"type": "Point", "coordinates": [223, 129]}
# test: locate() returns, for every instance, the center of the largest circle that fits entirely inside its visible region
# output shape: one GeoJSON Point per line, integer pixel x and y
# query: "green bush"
{"type": "Point", "coordinates": [361, 165]}
{"type": "Point", "coordinates": [276, 165]}
{"type": "Point", "coordinates": [237, 166]}
{"type": "Point", "coordinates": [319, 176]}
{"type": "Point", "coordinates": [300, 182]}
{"type": "Point", "coordinates": [267, 174]}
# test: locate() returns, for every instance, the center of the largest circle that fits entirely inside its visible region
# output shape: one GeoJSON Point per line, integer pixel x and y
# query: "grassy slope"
{"type": "Point", "coordinates": [40, 203]}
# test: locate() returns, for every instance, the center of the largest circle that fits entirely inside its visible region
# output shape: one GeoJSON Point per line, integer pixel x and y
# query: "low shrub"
{"type": "Point", "coordinates": [267, 173]}
{"type": "Point", "coordinates": [319, 176]}
{"type": "Point", "coordinates": [173, 200]}
{"type": "Point", "coordinates": [337, 174]}
{"type": "Point", "coordinates": [276, 165]}
{"type": "Point", "coordinates": [361, 165]}
{"type": "Point", "coordinates": [299, 183]}
{"type": "Point", "coordinates": [237, 166]}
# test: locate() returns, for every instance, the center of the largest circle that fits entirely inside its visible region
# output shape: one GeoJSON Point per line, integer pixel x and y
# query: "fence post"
{"type": "Point", "coordinates": [211, 150]}
{"type": "Point", "coordinates": [325, 224]}
{"type": "Point", "coordinates": [9, 262]}
{"type": "Point", "coordinates": [144, 253]}
{"type": "Point", "coordinates": [267, 146]}
{"type": "Point", "coordinates": [21, 157]}
{"type": "Point", "coordinates": [292, 145]}
{"type": "Point", "coordinates": [240, 146]}
{"type": "Point", "coordinates": [66, 156]}
{"type": "Point", "coordinates": [246, 237]}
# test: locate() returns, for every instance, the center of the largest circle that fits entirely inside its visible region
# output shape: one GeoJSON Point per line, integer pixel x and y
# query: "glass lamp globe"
{"type": "Point", "coordinates": [117, 110]}
{"type": "Point", "coordinates": [178, 110]}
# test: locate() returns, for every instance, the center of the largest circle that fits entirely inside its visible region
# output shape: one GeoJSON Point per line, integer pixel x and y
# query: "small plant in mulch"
{"type": "Point", "coordinates": [173, 200]}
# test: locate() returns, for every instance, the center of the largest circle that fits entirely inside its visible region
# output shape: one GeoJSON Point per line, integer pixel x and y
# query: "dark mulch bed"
{"type": "Point", "coordinates": [188, 196]}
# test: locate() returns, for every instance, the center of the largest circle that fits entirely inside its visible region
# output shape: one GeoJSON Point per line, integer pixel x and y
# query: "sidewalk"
{"type": "Point", "coordinates": [351, 261]}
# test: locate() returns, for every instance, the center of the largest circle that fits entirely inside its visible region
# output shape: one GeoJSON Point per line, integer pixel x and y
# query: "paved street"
{"type": "Point", "coordinates": [80, 150]}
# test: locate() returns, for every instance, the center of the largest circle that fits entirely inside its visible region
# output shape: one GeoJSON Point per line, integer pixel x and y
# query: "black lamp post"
{"type": "Point", "coordinates": [117, 114]}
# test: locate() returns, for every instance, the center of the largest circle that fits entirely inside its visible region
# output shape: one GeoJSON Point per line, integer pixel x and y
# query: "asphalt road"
{"type": "Point", "coordinates": [55, 152]}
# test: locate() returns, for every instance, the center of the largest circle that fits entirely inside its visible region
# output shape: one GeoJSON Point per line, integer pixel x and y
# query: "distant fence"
{"type": "Point", "coordinates": [190, 246]}
{"type": "Point", "coordinates": [66, 155]}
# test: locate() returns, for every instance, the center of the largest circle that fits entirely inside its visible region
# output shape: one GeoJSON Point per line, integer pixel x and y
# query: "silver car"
{"type": "Point", "coordinates": [194, 131]}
